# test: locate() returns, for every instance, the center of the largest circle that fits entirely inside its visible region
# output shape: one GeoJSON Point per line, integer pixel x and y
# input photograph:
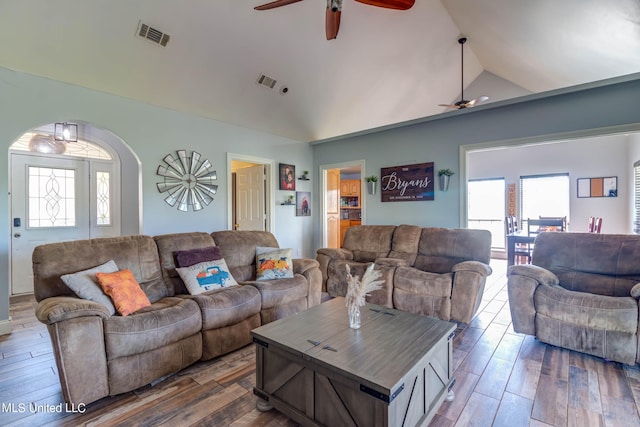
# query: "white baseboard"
{"type": "Point", "coordinates": [5, 327]}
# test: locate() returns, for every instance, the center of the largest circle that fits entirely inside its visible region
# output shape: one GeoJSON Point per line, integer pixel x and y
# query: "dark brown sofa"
{"type": "Point", "coordinates": [99, 354]}
{"type": "Point", "coordinates": [432, 271]}
{"type": "Point", "coordinates": [580, 292]}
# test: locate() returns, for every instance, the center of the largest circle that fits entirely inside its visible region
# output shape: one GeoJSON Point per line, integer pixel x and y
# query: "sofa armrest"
{"type": "Point", "coordinates": [539, 274]}
{"type": "Point", "coordinates": [77, 337]}
{"type": "Point", "coordinates": [336, 253]}
{"type": "Point", "coordinates": [635, 291]}
{"type": "Point", "coordinates": [57, 309]}
{"type": "Point", "coordinates": [300, 265]}
{"type": "Point", "coordinates": [478, 267]}
{"type": "Point", "coordinates": [469, 278]}
{"type": "Point", "coordinates": [325, 256]}
{"type": "Point", "coordinates": [392, 262]}
{"type": "Point", "coordinates": [523, 280]}
{"type": "Point", "coordinates": [310, 269]}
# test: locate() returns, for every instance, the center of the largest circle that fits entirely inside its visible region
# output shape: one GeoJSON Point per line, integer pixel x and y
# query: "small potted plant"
{"type": "Point", "coordinates": [372, 183]}
{"type": "Point", "coordinates": [305, 175]}
{"type": "Point", "coordinates": [444, 175]}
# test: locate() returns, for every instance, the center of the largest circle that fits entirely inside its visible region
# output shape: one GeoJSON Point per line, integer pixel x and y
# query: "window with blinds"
{"type": "Point", "coordinates": [636, 197]}
{"type": "Point", "coordinates": [544, 195]}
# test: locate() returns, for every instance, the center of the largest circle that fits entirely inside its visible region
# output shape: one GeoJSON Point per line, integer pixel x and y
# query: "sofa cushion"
{"type": "Point", "coordinates": [590, 310]}
{"type": "Point", "coordinates": [239, 246]}
{"type": "Point", "coordinates": [603, 264]}
{"type": "Point", "coordinates": [273, 263]}
{"type": "Point", "coordinates": [422, 292]}
{"type": "Point", "coordinates": [224, 307]}
{"type": "Point", "coordinates": [404, 244]}
{"type": "Point", "coordinates": [137, 253]}
{"type": "Point", "coordinates": [124, 290]}
{"type": "Point", "coordinates": [167, 321]}
{"type": "Point", "coordinates": [168, 245]}
{"type": "Point", "coordinates": [206, 276]}
{"type": "Point", "coordinates": [85, 284]}
{"type": "Point", "coordinates": [281, 291]}
{"type": "Point", "coordinates": [196, 256]}
{"type": "Point", "coordinates": [440, 248]}
{"type": "Point", "coordinates": [369, 242]}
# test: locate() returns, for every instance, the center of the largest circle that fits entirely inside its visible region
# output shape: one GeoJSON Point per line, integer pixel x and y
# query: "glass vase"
{"type": "Point", "coordinates": [354, 316]}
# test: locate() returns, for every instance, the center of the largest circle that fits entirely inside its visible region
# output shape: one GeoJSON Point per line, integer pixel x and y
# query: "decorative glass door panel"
{"type": "Point", "coordinates": [52, 197]}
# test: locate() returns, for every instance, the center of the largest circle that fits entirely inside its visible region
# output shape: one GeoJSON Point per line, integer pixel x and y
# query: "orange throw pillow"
{"type": "Point", "coordinates": [124, 290]}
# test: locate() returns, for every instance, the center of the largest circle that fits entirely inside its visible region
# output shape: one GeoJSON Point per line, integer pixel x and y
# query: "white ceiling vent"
{"type": "Point", "coordinates": [152, 34]}
{"type": "Point", "coordinates": [266, 81]}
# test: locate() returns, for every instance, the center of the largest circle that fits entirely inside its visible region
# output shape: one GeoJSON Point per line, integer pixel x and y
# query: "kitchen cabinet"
{"type": "Point", "coordinates": [350, 187]}
{"type": "Point", "coordinates": [350, 193]}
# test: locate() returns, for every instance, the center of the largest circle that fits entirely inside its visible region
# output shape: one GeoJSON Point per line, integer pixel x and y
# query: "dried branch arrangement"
{"type": "Point", "coordinates": [358, 289]}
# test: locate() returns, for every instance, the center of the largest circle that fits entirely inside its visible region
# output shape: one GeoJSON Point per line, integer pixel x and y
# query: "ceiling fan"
{"type": "Point", "coordinates": [334, 10]}
{"type": "Point", "coordinates": [463, 103]}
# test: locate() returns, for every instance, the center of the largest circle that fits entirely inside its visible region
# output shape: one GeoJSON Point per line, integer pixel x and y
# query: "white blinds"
{"type": "Point", "coordinates": [636, 197]}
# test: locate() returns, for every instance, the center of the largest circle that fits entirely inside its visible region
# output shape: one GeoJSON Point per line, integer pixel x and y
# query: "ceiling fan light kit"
{"type": "Point", "coordinates": [334, 10]}
{"type": "Point", "coordinates": [464, 103]}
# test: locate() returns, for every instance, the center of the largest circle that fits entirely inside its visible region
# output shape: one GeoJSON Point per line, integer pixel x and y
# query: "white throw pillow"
{"type": "Point", "coordinates": [273, 263]}
{"type": "Point", "coordinates": [86, 286]}
{"type": "Point", "coordinates": [206, 276]}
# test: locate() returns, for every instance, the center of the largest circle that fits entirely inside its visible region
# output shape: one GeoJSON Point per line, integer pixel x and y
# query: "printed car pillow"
{"type": "Point", "coordinates": [206, 276]}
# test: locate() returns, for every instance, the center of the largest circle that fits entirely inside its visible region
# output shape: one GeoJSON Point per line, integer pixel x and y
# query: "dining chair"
{"type": "Point", "coordinates": [592, 223]}
{"type": "Point", "coordinates": [554, 223]}
{"type": "Point", "coordinates": [597, 225]}
{"type": "Point", "coordinates": [522, 253]}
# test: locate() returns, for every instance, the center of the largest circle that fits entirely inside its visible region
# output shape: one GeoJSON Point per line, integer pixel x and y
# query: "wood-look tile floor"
{"type": "Point", "coordinates": [502, 379]}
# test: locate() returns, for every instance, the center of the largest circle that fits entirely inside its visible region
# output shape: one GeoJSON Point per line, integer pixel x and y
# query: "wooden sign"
{"type": "Point", "coordinates": [511, 200]}
{"type": "Point", "coordinates": [411, 183]}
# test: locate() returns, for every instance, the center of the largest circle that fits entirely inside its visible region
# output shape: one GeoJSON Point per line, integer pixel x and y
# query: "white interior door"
{"type": "Point", "coordinates": [250, 195]}
{"type": "Point", "coordinates": [49, 203]}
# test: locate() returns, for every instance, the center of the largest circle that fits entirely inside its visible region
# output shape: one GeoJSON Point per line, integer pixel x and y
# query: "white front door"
{"type": "Point", "coordinates": [49, 203]}
{"type": "Point", "coordinates": [250, 206]}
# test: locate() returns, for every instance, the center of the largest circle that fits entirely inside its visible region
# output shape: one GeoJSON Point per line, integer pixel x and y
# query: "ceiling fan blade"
{"type": "Point", "coordinates": [448, 105]}
{"type": "Point", "coordinates": [390, 4]}
{"type": "Point", "coordinates": [476, 101]}
{"type": "Point", "coordinates": [275, 4]}
{"type": "Point", "coordinates": [332, 24]}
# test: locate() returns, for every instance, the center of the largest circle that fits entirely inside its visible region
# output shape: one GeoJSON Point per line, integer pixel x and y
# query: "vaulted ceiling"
{"type": "Point", "coordinates": [385, 66]}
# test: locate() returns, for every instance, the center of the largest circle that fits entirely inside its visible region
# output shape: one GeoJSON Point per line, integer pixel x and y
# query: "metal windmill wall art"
{"type": "Point", "coordinates": [189, 180]}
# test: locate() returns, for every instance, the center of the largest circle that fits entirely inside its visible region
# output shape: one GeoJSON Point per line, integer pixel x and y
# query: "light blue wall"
{"type": "Point", "coordinates": [27, 101]}
{"type": "Point", "coordinates": [439, 139]}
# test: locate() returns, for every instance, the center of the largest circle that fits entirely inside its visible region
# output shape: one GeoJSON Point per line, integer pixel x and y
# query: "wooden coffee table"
{"type": "Point", "coordinates": [394, 371]}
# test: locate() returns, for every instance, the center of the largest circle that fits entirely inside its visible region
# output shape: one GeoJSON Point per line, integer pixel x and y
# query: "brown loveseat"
{"type": "Point", "coordinates": [433, 271]}
{"type": "Point", "coordinates": [99, 354]}
{"type": "Point", "coordinates": [580, 292]}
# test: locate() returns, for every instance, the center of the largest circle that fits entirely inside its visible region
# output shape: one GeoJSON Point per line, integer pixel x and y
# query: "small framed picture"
{"type": "Point", "coordinates": [287, 177]}
{"type": "Point", "coordinates": [303, 203]}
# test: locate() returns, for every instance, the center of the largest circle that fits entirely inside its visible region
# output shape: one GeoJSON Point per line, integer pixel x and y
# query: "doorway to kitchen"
{"type": "Point", "coordinates": [342, 204]}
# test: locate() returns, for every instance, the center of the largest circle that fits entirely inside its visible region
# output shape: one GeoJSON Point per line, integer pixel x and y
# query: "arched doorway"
{"type": "Point", "coordinates": [64, 191]}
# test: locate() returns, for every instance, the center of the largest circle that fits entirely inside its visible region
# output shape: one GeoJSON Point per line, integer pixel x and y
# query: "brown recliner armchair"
{"type": "Point", "coordinates": [580, 292]}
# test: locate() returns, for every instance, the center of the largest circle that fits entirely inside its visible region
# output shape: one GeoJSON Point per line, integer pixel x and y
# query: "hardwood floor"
{"type": "Point", "coordinates": [502, 379]}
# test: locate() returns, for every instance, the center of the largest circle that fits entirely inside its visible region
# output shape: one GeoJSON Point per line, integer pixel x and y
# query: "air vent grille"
{"type": "Point", "coordinates": [152, 34]}
{"type": "Point", "coordinates": [266, 81]}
